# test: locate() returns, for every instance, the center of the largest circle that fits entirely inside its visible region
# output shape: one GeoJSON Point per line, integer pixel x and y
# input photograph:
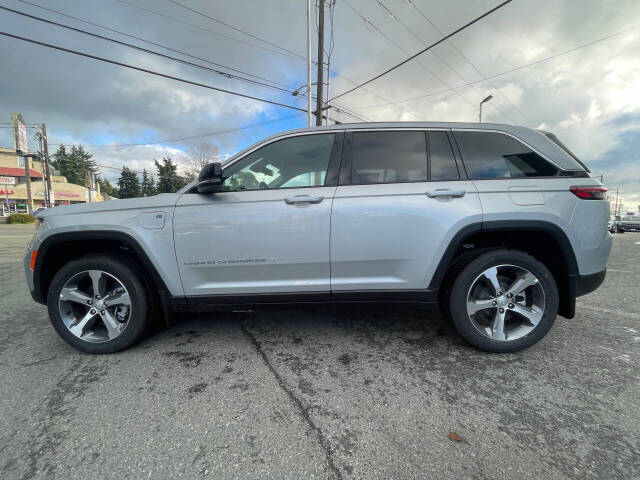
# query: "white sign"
{"type": "Point", "coordinates": [7, 180]}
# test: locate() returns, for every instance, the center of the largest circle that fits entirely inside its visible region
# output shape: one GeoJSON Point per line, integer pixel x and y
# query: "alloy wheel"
{"type": "Point", "coordinates": [506, 302]}
{"type": "Point", "coordinates": [95, 306]}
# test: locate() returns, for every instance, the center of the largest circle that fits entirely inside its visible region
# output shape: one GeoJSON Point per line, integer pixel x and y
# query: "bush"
{"type": "Point", "coordinates": [21, 218]}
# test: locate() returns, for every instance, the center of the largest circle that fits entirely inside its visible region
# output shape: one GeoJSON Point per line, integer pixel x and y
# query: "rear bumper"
{"type": "Point", "coordinates": [588, 283]}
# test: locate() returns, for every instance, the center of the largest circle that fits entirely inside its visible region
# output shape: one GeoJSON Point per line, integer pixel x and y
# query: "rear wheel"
{"type": "Point", "coordinates": [98, 304]}
{"type": "Point", "coordinates": [504, 301]}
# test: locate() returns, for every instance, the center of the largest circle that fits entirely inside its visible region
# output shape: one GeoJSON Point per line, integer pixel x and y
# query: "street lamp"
{"type": "Point", "coordinates": [486, 99]}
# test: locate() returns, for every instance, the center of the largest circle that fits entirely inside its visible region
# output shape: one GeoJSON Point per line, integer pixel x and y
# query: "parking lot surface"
{"type": "Point", "coordinates": [321, 392]}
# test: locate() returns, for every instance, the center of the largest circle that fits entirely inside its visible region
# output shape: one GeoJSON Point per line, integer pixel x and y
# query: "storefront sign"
{"type": "Point", "coordinates": [7, 192]}
{"type": "Point", "coordinates": [7, 180]}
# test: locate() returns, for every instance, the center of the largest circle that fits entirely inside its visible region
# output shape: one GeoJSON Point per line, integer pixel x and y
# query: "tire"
{"type": "Point", "coordinates": [538, 302]}
{"type": "Point", "coordinates": [118, 282]}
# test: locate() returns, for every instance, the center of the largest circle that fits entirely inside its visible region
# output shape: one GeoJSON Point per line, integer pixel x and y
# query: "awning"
{"type": "Point", "coordinates": [18, 172]}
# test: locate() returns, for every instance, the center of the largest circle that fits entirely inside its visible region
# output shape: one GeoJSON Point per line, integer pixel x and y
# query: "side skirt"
{"type": "Point", "coordinates": [282, 300]}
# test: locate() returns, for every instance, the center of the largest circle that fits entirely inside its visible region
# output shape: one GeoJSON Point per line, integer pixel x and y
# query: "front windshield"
{"type": "Point", "coordinates": [631, 218]}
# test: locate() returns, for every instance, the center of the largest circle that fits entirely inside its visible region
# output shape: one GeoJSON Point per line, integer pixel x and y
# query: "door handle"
{"type": "Point", "coordinates": [446, 193]}
{"type": "Point", "coordinates": [303, 199]}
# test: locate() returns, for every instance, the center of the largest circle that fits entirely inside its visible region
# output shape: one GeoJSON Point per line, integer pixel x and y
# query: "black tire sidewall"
{"type": "Point", "coordinates": [458, 300]}
{"type": "Point", "coordinates": [116, 266]}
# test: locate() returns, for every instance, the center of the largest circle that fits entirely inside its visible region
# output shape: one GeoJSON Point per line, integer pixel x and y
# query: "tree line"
{"type": "Point", "coordinates": [78, 166]}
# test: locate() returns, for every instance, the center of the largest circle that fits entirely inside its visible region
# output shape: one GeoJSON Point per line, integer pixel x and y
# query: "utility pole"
{"type": "Point", "coordinates": [320, 63]}
{"type": "Point", "coordinates": [27, 174]}
{"type": "Point", "coordinates": [308, 63]}
{"type": "Point", "coordinates": [49, 201]}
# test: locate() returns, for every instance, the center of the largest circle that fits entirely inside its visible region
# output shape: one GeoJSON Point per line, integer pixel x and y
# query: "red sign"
{"type": "Point", "coordinates": [10, 192]}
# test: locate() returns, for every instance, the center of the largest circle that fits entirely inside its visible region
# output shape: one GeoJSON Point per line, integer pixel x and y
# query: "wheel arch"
{"type": "Point", "coordinates": [541, 239]}
{"type": "Point", "coordinates": [60, 248]}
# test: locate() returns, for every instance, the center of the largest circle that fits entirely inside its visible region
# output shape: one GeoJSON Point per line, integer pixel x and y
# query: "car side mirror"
{"type": "Point", "coordinates": [210, 178]}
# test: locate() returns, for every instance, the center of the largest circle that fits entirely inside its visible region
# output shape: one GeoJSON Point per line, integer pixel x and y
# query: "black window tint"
{"type": "Point", "coordinates": [386, 157]}
{"type": "Point", "coordinates": [441, 158]}
{"type": "Point", "coordinates": [495, 155]}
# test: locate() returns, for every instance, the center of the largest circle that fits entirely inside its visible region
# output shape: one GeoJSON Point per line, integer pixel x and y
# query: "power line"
{"type": "Point", "coordinates": [388, 11]}
{"type": "Point", "coordinates": [152, 72]}
{"type": "Point", "coordinates": [57, 12]}
{"type": "Point", "coordinates": [152, 52]}
{"type": "Point", "coordinates": [452, 45]}
{"type": "Point", "coordinates": [190, 137]}
{"type": "Point", "coordinates": [515, 69]}
{"type": "Point", "coordinates": [295, 56]}
{"type": "Point", "coordinates": [233, 28]}
{"type": "Point", "coordinates": [400, 47]}
{"type": "Point", "coordinates": [467, 25]}
{"type": "Point", "coordinates": [198, 27]}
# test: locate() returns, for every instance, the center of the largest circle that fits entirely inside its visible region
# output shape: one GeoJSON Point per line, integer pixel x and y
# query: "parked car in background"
{"type": "Point", "coordinates": [501, 226]}
{"type": "Point", "coordinates": [629, 223]}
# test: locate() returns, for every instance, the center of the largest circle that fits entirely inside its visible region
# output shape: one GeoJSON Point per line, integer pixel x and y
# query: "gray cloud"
{"type": "Point", "coordinates": [579, 96]}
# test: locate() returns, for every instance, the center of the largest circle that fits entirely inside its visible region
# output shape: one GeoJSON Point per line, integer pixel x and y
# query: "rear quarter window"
{"type": "Point", "coordinates": [496, 155]}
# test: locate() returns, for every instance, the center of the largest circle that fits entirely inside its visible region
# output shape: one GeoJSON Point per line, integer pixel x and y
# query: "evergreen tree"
{"type": "Point", "coordinates": [148, 185]}
{"type": "Point", "coordinates": [106, 187]}
{"type": "Point", "coordinates": [168, 179]}
{"type": "Point", "coordinates": [128, 184]}
{"type": "Point", "coordinates": [76, 165]}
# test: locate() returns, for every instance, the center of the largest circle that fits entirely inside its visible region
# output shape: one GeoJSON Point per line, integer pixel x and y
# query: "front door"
{"type": "Point", "coordinates": [267, 231]}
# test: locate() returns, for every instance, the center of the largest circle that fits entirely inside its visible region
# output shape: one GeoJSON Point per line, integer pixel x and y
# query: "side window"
{"type": "Point", "coordinates": [441, 159]}
{"type": "Point", "coordinates": [300, 161]}
{"type": "Point", "coordinates": [388, 156]}
{"type": "Point", "coordinates": [496, 155]}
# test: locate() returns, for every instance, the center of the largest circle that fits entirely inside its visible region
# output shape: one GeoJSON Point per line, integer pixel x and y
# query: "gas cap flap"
{"type": "Point", "coordinates": [526, 195]}
{"type": "Point", "coordinates": [151, 219]}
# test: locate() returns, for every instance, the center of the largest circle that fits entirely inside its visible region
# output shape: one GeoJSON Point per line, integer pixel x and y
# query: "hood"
{"type": "Point", "coordinates": [156, 201]}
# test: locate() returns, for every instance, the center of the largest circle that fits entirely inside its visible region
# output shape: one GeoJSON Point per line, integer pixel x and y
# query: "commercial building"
{"type": "Point", "coordinates": [13, 187]}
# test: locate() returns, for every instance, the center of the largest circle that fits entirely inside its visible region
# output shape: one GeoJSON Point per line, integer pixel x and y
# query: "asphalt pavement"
{"type": "Point", "coordinates": [320, 392]}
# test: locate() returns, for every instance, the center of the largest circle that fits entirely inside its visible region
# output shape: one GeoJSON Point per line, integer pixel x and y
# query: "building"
{"type": "Point", "coordinates": [13, 187]}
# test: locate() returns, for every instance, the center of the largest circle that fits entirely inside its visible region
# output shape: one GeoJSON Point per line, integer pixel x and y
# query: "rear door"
{"type": "Point", "coordinates": [402, 195]}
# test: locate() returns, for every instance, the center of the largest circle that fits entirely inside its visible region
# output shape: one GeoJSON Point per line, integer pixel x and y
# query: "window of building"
{"type": "Point", "coordinates": [388, 156]}
{"type": "Point", "coordinates": [496, 155]}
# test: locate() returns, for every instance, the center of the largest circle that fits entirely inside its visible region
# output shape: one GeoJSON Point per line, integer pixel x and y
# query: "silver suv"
{"type": "Point", "coordinates": [501, 226]}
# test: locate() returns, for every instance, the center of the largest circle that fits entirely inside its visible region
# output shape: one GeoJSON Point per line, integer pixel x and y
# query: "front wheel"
{"type": "Point", "coordinates": [98, 304]}
{"type": "Point", "coordinates": [504, 301]}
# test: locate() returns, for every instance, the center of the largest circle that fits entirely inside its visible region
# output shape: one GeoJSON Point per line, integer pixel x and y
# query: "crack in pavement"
{"type": "Point", "coordinates": [304, 413]}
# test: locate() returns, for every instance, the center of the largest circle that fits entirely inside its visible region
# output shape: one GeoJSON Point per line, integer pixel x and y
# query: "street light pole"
{"type": "Point", "coordinates": [486, 99]}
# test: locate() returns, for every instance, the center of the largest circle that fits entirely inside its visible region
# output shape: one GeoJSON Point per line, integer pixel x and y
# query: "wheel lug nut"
{"type": "Point", "coordinates": [494, 303]}
{"type": "Point", "coordinates": [502, 310]}
{"type": "Point", "coordinates": [93, 311]}
{"type": "Point", "coordinates": [97, 297]}
{"type": "Point", "coordinates": [101, 312]}
{"type": "Point", "coordinates": [511, 305]}
{"type": "Point", "coordinates": [89, 302]}
{"type": "Point", "coordinates": [499, 294]}
{"type": "Point", "coordinates": [509, 295]}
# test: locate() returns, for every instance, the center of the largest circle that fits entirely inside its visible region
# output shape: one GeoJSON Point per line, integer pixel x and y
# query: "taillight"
{"type": "Point", "coordinates": [589, 193]}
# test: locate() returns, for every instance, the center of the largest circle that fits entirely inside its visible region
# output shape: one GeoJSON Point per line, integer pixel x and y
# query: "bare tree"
{"type": "Point", "coordinates": [200, 155]}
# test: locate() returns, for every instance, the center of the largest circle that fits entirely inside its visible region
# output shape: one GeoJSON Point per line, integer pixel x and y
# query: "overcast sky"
{"type": "Point", "coordinates": [590, 98]}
